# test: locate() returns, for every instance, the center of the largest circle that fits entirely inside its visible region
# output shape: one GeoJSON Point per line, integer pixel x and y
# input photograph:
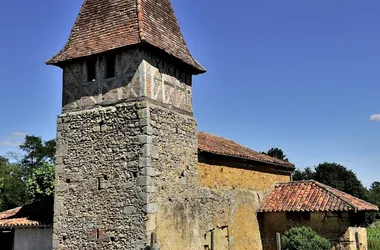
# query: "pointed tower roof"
{"type": "Point", "coordinates": [104, 25]}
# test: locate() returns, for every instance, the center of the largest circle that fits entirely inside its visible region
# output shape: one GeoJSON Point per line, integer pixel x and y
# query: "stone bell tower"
{"type": "Point", "coordinates": [126, 138]}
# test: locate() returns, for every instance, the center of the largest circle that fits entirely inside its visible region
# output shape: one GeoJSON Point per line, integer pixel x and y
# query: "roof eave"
{"type": "Point", "coordinates": [196, 67]}
{"type": "Point", "coordinates": [290, 168]}
{"type": "Point", "coordinates": [24, 226]}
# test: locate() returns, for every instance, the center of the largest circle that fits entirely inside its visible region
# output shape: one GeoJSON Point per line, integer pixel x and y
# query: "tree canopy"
{"type": "Point", "coordinates": [276, 153]}
{"type": "Point", "coordinates": [13, 191]}
{"type": "Point", "coordinates": [37, 152]}
{"type": "Point", "coordinates": [374, 193]}
{"type": "Point", "coordinates": [29, 177]}
{"type": "Point", "coordinates": [336, 176]}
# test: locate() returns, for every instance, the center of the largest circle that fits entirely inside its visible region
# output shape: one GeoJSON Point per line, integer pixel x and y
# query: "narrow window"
{"type": "Point", "coordinates": [99, 184]}
{"type": "Point", "coordinates": [110, 65]}
{"type": "Point", "coordinates": [91, 70]}
{"type": "Point", "coordinates": [97, 234]}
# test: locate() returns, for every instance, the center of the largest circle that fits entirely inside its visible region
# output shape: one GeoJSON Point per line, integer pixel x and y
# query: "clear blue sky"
{"type": "Point", "coordinates": [295, 74]}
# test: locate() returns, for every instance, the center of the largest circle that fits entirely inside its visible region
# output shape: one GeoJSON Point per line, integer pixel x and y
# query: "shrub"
{"type": "Point", "coordinates": [304, 238]}
{"type": "Point", "coordinates": [373, 233]}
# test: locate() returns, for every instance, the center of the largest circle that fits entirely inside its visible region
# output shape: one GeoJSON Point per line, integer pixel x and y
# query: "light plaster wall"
{"type": "Point", "coordinates": [362, 238]}
{"type": "Point", "coordinates": [214, 176]}
{"type": "Point", "coordinates": [33, 239]}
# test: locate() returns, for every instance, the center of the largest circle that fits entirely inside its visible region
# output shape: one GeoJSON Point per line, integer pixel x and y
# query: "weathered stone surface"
{"type": "Point", "coordinates": [101, 193]}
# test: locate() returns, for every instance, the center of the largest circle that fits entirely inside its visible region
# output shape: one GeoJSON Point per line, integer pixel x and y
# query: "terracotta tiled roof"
{"type": "Point", "coordinates": [31, 215]}
{"type": "Point", "coordinates": [9, 219]}
{"type": "Point", "coordinates": [104, 25]}
{"type": "Point", "coordinates": [312, 196]}
{"type": "Point", "coordinates": [221, 146]}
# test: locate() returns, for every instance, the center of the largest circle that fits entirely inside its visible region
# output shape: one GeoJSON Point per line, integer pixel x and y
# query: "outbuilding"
{"type": "Point", "coordinates": [27, 228]}
{"type": "Point", "coordinates": [336, 215]}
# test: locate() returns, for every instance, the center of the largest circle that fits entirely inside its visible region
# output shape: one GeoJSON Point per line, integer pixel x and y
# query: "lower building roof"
{"type": "Point", "coordinates": [38, 214]}
{"type": "Point", "coordinates": [221, 146]}
{"type": "Point", "coordinates": [8, 219]}
{"type": "Point", "coordinates": [312, 196]}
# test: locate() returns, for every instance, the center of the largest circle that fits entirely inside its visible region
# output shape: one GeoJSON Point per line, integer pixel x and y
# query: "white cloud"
{"type": "Point", "coordinates": [18, 134]}
{"type": "Point", "coordinates": [7, 143]}
{"type": "Point", "coordinates": [13, 140]}
{"type": "Point", "coordinates": [375, 117]}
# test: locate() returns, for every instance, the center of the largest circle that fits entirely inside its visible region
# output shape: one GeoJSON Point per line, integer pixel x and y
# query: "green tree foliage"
{"type": "Point", "coordinates": [301, 175]}
{"type": "Point", "coordinates": [276, 153]}
{"type": "Point", "coordinates": [37, 163]}
{"type": "Point", "coordinates": [41, 183]}
{"type": "Point", "coordinates": [374, 197]}
{"type": "Point", "coordinates": [37, 151]}
{"type": "Point", "coordinates": [30, 177]}
{"type": "Point", "coordinates": [13, 192]}
{"type": "Point", "coordinates": [336, 176]}
{"type": "Point", "coordinates": [339, 177]}
{"type": "Point", "coordinates": [3, 161]}
{"type": "Point", "coordinates": [304, 238]}
{"type": "Point", "coordinates": [374, 193]}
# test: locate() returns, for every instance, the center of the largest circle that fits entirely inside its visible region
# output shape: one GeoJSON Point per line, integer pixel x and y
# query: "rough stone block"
{"type": "Point", "coordinates": [148, 171]}
{"type": "Point", "coordinates": [58, 208]}
{"type": "Point", "coordinates": [62, 187]}
{"type": "Point", "coordinates": [58, 160]}
{"type": "Point", "coordinates": [151, 189]}
{"type": "Point", "coordinates": [59, 168]}
{"type": "Point", "coordinates": [145, 162]}
{"type": "Point", "coordinates": [146, 150]}
{"type": "Point", "coordinates": [143, 113]}
{"type": "Point", "coordinates": [61, 150]}
{"type": "Point", "coordinates": [154, 152]}
{"type": "Point", "coordinates": [151, 208]}
{"type": "Point", "coordinates": [144, 122]}
{"type": "Point", "coordinates": [59, 127]}
{"type": "Point", "coordinates": [130, 210]}
{"type": "Point", "coordinates": [143, 181]}
{"type": "Point", "coordinates": [145, 139]}
{"type": "Point", "coordinates": [148, 130]}
{"type": "Point", "coordinates": [151, 223]}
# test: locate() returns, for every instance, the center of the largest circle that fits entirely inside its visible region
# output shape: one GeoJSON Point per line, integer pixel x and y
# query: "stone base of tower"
{"type": "Point", "coordinates": [100, 194]}
{"type": "Point", "coordinates": [129, 171]}
{"type": "Point", "coordinates": [115, 168]}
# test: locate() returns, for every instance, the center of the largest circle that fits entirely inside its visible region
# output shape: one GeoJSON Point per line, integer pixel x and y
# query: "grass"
{"type": "Point", "coordinates": [373, 233]}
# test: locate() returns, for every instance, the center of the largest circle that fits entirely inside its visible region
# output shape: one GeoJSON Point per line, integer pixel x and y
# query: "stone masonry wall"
{"type": "Point", "coordinates": [182, 213]}
{"type": "Point", "coordinates": [100, 192]}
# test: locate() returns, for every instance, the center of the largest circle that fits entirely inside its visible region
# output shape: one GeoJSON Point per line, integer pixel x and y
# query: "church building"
{"type": "Point", "coordinates": [132, 170]}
